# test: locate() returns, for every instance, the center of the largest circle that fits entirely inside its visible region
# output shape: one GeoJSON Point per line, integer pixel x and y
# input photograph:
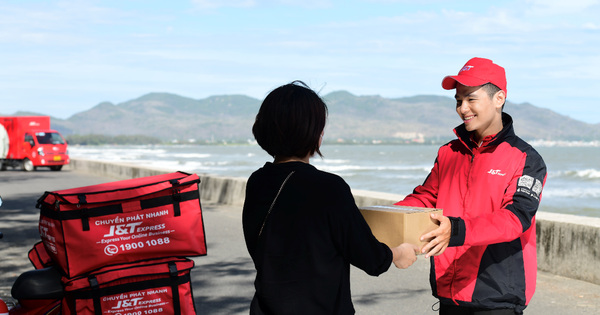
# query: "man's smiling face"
{"type": "Point", "coordinates": [480, 112]}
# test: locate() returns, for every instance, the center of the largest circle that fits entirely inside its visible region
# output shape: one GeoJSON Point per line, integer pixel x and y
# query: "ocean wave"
{"type": "Point", "coordinates": [571, 193]}
{"type": "Point", "coordinates": [341, 168]}
{"type": "Point", "coordinates": [589, 173]}
{"type": "Point", "coordinates": [110, 157]}
{"type": "Point", "coordinates": [549, 143]}
{"type": "Point", "coordinates": [211, 163]}
{"type": "Point", "coordinates": [410, 177]}
{"type": "Point", "coordinates": [579, 174]}
{"type": "Point", "coordinates": [206, 166]}
{"type": "Point", "coordinates": [419, 178]}
{"type": "Point", "coordinates": [113, 154]}
{"type": "Point", "coordinates": [184, 166]}
{"type": "Point", "coordinates": [103, 149]}
{"type": "Point", "coordinates": [172, 165]}
{"type": "Point", "coordinates": [143, 158]}
{"type": "Point", "coordinates": [185, 155]}
{"type": "Point", "coordinates": [335, 161]}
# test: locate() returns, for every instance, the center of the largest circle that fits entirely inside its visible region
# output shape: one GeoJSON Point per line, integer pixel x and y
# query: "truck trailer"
{"type": "Point", "coordinates": [28, 142]}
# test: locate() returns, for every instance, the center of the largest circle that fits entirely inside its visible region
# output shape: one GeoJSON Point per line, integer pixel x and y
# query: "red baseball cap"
{"type": "Point", "coordinates": [476, 72]}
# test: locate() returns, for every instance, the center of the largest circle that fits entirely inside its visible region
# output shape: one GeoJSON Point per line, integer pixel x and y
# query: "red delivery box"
{"type": "Point", "coordinates": [125, 221]}
{"type": "Point", "coordinates": [160, 286]}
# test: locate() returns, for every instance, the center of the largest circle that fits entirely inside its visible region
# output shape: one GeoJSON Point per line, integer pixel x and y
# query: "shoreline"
{"type": "Point", "coordinates": [566, 244]}
{"type": "Point", "coordinates": [573, 185]}
{"type": "Point", "coordinates": [370, 142]}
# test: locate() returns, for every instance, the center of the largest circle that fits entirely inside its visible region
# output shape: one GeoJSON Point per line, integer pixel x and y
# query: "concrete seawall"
{"type": "Point", "coordinates": [567, 245]}
{"type": "Point", "coordinates": [213, 188]}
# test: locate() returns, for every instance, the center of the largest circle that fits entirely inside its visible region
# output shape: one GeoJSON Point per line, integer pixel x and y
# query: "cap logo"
{"type": "Point", "coordinates": [465, 68]}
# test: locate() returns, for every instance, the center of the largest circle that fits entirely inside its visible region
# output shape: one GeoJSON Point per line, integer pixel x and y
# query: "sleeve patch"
{"type": "Point", "coordinates": [530, 186]}
{"type": "Point", "coordinates": [525, 181]}
{"type": "Point", "coordinates": [537, 188]}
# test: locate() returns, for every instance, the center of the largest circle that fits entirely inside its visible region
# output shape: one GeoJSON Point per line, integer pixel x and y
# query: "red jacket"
{"type": "Point", "coordinates": [491, 194]}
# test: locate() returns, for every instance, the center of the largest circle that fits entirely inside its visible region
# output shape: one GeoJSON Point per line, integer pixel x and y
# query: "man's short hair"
{"type": "Point", "coordinates": [290, 121]}
{"type": "Point", "coordinates": [491, 90]}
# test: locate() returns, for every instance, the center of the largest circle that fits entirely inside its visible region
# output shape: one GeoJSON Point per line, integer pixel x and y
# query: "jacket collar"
{"type": "Point", "coordinates": [507, 131]}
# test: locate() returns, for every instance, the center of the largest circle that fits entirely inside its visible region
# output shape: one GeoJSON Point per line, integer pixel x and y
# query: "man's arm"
{"type": "Point", "coordinates": [519, 206]}
{"type": "Point", "coordinates": [424, 195]}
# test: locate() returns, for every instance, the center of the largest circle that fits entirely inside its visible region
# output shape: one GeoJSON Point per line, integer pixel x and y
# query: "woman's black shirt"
{"type": "Point", "coordinates": [313, 234]}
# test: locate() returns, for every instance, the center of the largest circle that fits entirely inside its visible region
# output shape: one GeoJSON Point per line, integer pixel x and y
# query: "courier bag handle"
{"type": "Point", "coordinates": [152, 189]}
{"type": "Point", "coordinates": [273, 203]}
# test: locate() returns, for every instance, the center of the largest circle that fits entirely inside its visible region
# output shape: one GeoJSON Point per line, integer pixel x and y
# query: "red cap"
{"type": "Point", "coordinates": [476, 72]}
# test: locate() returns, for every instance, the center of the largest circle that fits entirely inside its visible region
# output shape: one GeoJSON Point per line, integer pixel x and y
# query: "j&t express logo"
{"type": "Point", "coordinates": [128, 303]}
{"type": "Point", "coordinates": [496, 172]}
{"type": "Point", "coordinates": [465, 68]}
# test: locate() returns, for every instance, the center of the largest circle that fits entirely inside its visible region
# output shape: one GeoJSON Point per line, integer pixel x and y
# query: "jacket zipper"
{"type": "Point", "coordinates": [455, 255]}
{"type": "Point", "coordinates": [469, 179]}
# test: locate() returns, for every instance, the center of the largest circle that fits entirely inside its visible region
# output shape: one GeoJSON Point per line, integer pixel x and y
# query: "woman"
{"type": "Point", "coordinates": [301, 225]}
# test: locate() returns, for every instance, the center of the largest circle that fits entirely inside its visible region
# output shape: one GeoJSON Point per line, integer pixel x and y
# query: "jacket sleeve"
{"type": "Point", "coordinates": [424, 195]}
{"type": "Point", "coordinates": [353, 237]}
{"type": "Point", "coordinates": [519, 205]}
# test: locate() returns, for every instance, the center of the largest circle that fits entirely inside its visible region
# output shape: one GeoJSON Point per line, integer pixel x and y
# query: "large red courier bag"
{"type": "Point", "coordinates": [144, 218]}
{"type": "Point", "coordinates": [160, 286]}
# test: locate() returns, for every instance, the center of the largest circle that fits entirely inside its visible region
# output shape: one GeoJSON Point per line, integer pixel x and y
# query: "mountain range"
{"type": "Point", "coordinates": [352, 118]}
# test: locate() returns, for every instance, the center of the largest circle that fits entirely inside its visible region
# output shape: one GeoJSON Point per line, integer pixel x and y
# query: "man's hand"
{"type": "Point", "coordinates": [440, 237]}
{"type": "Point", "coordinates": [405, 255]}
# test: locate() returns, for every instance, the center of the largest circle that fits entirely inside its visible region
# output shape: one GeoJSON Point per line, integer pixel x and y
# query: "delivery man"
{"type": "Point", "coordinates": [488, 183]}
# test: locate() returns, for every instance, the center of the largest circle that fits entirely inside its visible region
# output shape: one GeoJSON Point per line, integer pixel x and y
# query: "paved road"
{"type": "Point", "coordinates": [223, 280]}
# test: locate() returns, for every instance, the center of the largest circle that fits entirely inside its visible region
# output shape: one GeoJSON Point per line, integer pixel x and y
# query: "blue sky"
{"type": "Point", "coordinates": [63, 57]}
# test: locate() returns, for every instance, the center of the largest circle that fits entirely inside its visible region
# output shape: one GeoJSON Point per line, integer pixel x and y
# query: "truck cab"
{"type": "Point", "coordinates": [32, 144]}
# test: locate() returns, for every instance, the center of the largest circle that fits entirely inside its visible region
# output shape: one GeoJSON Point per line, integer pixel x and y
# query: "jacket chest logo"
{"type": "Point", "coordinates": [496, 172]}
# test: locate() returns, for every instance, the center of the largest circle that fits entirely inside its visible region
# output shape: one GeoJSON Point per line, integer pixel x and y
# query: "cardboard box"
{"type": "Point", "coordinates": [394, 225]}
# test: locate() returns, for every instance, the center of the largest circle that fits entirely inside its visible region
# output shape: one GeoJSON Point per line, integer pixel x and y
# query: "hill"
{"type": "Point", "coordinates": [351, 118]}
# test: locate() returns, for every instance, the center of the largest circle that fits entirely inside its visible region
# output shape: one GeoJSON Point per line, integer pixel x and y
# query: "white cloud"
{"type": "Point", "coordinates": [82, 50]}
{"type": "Point", "coordinates": [88, 12]}
{"type": "Point", "coordinates": [544, 7]}
{"type": "Point", "coordinates": [67, 22]}
{"type": "Point", "coordinates": [311, 4]}
{"type": "Point", "coordinates": [296, 44]}
{"type": "Point", "coordinates": [215, 4]}
{"type": "Point", "coordinates": [494, 22]}
{"type": "Point", "coordinates": [591, 26]}
{"type": "Point", "coordinates": [407, 1]}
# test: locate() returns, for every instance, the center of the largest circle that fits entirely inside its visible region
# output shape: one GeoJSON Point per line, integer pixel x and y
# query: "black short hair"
{"type": "Point", "coordinates": [290, 121]}
{"type": "Point", "coordinates": [491, 90]}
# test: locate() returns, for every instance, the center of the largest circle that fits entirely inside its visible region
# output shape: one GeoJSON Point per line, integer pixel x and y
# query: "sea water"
{"type": "Point", "coordinates": [572, 185]}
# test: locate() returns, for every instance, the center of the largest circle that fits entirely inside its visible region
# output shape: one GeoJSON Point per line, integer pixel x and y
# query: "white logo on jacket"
{"type": "Point", "coordinates": [496, 172]}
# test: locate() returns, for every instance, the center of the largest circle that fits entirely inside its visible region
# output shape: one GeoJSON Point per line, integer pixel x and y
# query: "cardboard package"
{"type": "Point", "coordinates": [394, 225]}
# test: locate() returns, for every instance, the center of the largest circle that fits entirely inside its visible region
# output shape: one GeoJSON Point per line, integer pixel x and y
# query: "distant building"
{"type": "Point", "coordinates": [415, 137]}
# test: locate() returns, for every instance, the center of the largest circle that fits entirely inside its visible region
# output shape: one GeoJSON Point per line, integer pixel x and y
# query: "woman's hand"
{"type": "Point", "coordinates": [404, 255]}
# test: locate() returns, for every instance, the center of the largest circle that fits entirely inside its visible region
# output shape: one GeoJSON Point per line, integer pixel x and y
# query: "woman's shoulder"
{"type": "Point", "coordinates": [323, 177]}
{"type": "Point", "coordinates": [305, 175]}
{"type": "Point", "coordinates": [324, 183]}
